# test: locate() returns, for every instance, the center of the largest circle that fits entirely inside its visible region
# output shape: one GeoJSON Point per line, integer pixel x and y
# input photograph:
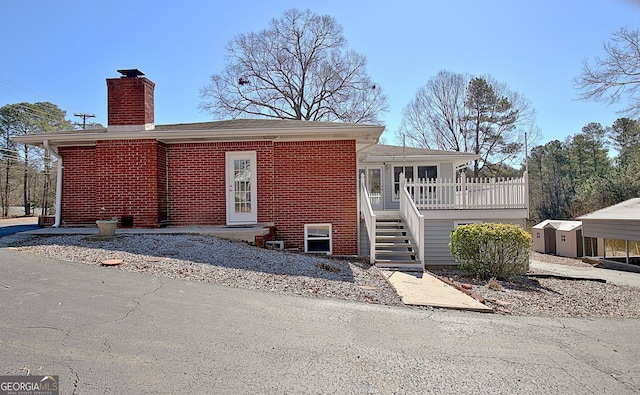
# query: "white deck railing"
{"type": "Point", "coordinates": [369, 218]}
{"type": "Point", "coordinates": [412, 217]}
{"type": "Point", "coordinates": [469, 193]}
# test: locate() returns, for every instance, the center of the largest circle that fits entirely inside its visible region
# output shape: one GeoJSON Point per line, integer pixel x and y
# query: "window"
{"type": "Point", "coordinates": [426, 172]}
{"type": "Point", "coordinates": [421, 172]}
{"type": "Point", "coordinates": [397, 170]}
{"type": "Point", "coordinates": [563, 238]}
{"type": "Point", "coordinates": [317, 238]}
{"type": "Point", "coordinates": [457, 224]}
{"type": "Point", "coordinates": [537, 235]}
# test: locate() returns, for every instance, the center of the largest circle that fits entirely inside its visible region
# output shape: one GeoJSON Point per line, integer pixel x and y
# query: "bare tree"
{"type": "Point", "coordinates": [470, 114]}
{"type": "Point", "coordinates": [435, 117]}
{"type": "Point", "coordinates": [298, 68]}
{"type": "Point", "coordinates": [616, 75]}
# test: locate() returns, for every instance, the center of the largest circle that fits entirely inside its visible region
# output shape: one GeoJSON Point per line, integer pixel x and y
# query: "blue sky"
{"type": "Point", "coordinates": [62, 51]}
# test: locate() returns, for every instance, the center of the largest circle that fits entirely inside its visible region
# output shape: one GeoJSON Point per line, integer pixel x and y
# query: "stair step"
{"type": "Point", "coordinates": [394, 252]}
{"type": "Point", "coordinates": [390, 227]}
{"type": "Point", "coordinates": [394, 247]}
{"type": "Point", "coordinates": [384, 238]}
{"type": "Point", "coordinates": [410, 266]}
{"type": "Point", "coordinates": [390, 244]}
{"type": "Point", "coordinates": [402, 240]}
{"type": "Point", "coordinates": [390, 230]}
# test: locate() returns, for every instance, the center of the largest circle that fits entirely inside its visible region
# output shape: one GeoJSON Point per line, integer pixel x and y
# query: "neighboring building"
{"type": "Point", "coordinates": [618, 222]}
{"type": "Point", "coordinates": [544, 236]}
{"type": "Point", "coordinates": [563, 238]}
{"type": "Point", "coordinates": [569, 239]}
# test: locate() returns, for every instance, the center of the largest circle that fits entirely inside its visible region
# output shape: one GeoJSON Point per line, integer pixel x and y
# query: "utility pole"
{"type": "Point", "coordinates": [84, 117]}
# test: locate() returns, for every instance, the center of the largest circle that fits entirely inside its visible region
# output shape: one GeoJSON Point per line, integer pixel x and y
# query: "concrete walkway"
{"type": "Point", "coordinates": [237, 233]}
{"type": "Point", "coordinates": [423, 289]}
{"type": "Point", "coordinates": [611, 276]}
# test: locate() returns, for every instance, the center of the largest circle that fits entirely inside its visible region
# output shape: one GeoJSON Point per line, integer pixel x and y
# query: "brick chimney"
{"type": "Point", "coordinates": [130, 102]}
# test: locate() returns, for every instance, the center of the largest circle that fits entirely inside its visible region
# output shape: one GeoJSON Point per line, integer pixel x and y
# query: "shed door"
{"type": "Point", "coordinates": [549, 240]}
{"type": "Point", "coordinates": [241, 188]}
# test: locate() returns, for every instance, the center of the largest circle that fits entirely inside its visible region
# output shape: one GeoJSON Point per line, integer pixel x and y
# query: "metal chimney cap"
{"type": "Point", "coordinates": [130, 73]}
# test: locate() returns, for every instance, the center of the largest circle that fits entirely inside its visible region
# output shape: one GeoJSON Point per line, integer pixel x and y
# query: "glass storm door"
{"type": "Point", "coordinates": [373, 179]}
{"type": "Point", "coordinates": [241, 188]}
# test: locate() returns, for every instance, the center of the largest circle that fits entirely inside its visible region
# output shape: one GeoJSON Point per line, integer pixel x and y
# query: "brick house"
{"type": "Point", "coordinates": [325, 186]}
{"type": "Point", "coordinates": [298, 176]}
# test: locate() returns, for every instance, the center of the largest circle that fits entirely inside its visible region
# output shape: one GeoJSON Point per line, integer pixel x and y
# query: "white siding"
{"type": "Point", "coordinates": [437, 235]}
{"type": "Point", "coordinates": [445, 170]}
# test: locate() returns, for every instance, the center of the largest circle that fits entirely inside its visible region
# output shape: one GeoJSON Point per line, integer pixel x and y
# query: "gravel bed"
{"type": "Point", "coordinates": [549, 297]}
{"type": "Point", "coordinates": [558, 260]}
{"type": "Point", "coordinates": [223, 262]}
{"type": "Point", "coordinates": [212, 260]}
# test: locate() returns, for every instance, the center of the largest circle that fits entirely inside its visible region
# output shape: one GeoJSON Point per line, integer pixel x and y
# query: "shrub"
{"type": "Point", "coordinates": [491, 250]}
{"type": "Point", "coordinates": [494, 285]}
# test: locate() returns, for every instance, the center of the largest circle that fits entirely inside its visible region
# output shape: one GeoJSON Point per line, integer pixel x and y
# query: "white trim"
{"type": "Point", "coordinates": [360, 133]}
{"type": "Point", "coordinates": [58, 216]}
{"type": "Point", "coordinates": [329, 238]}
{"type": "Point", "coordinates": [479, 214]}
{"type": "Point", "coordinates": [234, 218]}
{"type": "Point", "coordinates": [415, 172]}
{"type": "Point", "coordinates": [366, 169]}
{"type": "Point", "coordinates": [131, 128]}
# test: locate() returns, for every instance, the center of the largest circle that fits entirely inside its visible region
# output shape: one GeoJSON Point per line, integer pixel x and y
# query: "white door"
{"type": "Point", "coordinates": [373, 180]}
{"type": "Point", "coordinates": [241, 188]}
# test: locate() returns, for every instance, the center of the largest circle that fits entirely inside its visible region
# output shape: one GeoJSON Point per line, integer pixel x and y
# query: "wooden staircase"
{"type": "Point", "coordinates": [395, 248]}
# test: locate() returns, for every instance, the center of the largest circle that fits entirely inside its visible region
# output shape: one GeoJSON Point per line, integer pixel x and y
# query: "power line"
{"type": "Point", "coordinates": [26, 94]}
{"type": "Point", "coordinates": [84, 117]}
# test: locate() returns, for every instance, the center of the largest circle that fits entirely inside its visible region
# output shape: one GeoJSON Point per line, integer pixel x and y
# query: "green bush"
{"type": "Point", "coordinates": [491, 250]}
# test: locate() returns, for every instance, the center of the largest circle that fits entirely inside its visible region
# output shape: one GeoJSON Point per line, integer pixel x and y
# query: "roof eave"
{"type": "Point", "coordinates": [363, 133]}
{"type": "Point", "coordinates": [457, 158]}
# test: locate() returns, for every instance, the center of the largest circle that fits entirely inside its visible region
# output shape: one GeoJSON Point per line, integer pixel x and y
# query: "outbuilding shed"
{"type": "Point", "coordinates": [569, 239]}
{"type": "Point", "coordinates": [544, 236]}
{"type": "Point", "coordinates": [563, 238]}
{"type": "Point", "coordinates": [618, 222]}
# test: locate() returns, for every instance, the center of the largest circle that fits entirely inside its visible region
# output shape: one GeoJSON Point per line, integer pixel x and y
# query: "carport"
{"type": "Point", "coordinates": [618, 222]}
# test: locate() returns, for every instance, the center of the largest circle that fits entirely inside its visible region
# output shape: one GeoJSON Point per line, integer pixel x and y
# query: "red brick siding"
{"type": "Point", "coordinates": [297, 183]}
{"type": "Point", "coordinates": [315, 182]}
{"type": "Point", "coordinates": [196, 179]}
{"type": "Point", "coordinates": [78, 187]}
{"type": "Point", "coordinates": [126, 180]}
{"type": "Point", "coordinates": [130, 101]}
{"type": "Point", "coordinates": [121, 176]}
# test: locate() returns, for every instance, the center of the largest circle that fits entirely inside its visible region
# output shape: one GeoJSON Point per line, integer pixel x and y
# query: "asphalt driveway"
{"type": "Point", "coordinates": [103, 330]}
{"type": "Point", "coordinates": [6, 230]}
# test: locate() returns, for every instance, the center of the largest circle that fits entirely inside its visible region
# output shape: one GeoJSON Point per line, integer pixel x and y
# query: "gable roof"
{"type": "Point", "coordinates": [558, 225]}
{"type": "Point", "coordinates": [629, 210]}
{"type": "Point", "coordinates": [393, 153]}
{"type": "Point", "coordinates": [227, 130]}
